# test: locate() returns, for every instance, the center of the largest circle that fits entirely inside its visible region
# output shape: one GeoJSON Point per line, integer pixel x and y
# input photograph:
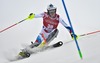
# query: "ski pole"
{"type": "Point", "coordinates": [12, 25]}
{"type": "Point", "coordinates": [90, 33]}
{"type": "Point", "coordinates": [31, 16]}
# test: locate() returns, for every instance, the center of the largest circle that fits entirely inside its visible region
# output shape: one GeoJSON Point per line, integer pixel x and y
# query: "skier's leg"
{"type": "Point", "coordinates": [49, 37]}
{"type": "Point", "coordinates": [27, 51]}
{"type": "Point", "coordinates": [52, 35]}
{"type": "Point", "coordinates": [40, 38]}
{"type": "Point", "coordinates": [37, 42]}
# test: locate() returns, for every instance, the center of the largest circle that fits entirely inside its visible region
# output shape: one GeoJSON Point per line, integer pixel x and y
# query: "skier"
{"type": "Point", "coordinates": [49, 30]}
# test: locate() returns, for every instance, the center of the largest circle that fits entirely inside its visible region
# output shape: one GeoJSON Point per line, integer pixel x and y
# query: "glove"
{"type": "Point", "coordinates": [31, 16]}
{"type": "Point", "coordinates": [72, 35]}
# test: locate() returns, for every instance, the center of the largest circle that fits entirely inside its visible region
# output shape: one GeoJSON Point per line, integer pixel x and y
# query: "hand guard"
{"type": "Point", "coordinates": [70, 31]}
{"type": "Point", "coordinates": [72, 35]}
{"type": "Point", "coordinates": [31, 16]}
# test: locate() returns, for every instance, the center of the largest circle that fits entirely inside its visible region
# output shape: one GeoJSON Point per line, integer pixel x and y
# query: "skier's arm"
{"type": "Point", "coordinates": [67, 27]}
{"type": "Point", "coordinates": [39, 15]}
{"type": "Point", "coordinates": [32, 15]}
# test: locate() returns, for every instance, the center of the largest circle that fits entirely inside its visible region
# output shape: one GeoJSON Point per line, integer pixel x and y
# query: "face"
{"type": "Point", "coordinates": [52, 13]}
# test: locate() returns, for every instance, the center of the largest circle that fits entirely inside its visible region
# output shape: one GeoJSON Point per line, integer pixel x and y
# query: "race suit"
{"type": "Point", "coordinates": [49, 25]}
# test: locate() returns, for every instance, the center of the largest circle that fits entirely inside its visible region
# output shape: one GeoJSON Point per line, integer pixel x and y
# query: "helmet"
{"type": "Point", "coordinates": [51, 7]}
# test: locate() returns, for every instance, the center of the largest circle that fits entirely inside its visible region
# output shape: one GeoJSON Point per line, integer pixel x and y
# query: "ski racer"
{"type": "Point", "coordinates": [49, 30]}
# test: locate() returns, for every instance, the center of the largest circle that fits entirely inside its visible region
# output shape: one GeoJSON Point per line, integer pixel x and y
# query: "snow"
{"type": "Point", "coordinates": [84, 15]}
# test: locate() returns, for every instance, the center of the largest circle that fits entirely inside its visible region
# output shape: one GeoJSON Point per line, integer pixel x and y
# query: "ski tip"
{"type": "Point", "coordinates": [60, 42]}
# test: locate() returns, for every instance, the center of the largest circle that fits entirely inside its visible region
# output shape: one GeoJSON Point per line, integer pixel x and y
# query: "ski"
{"type": "Point", "coordinates": [22, 55]}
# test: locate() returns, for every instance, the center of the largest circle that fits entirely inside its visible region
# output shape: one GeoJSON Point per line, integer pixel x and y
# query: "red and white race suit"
{"type": "Point", "coordinates": [49, 25]}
